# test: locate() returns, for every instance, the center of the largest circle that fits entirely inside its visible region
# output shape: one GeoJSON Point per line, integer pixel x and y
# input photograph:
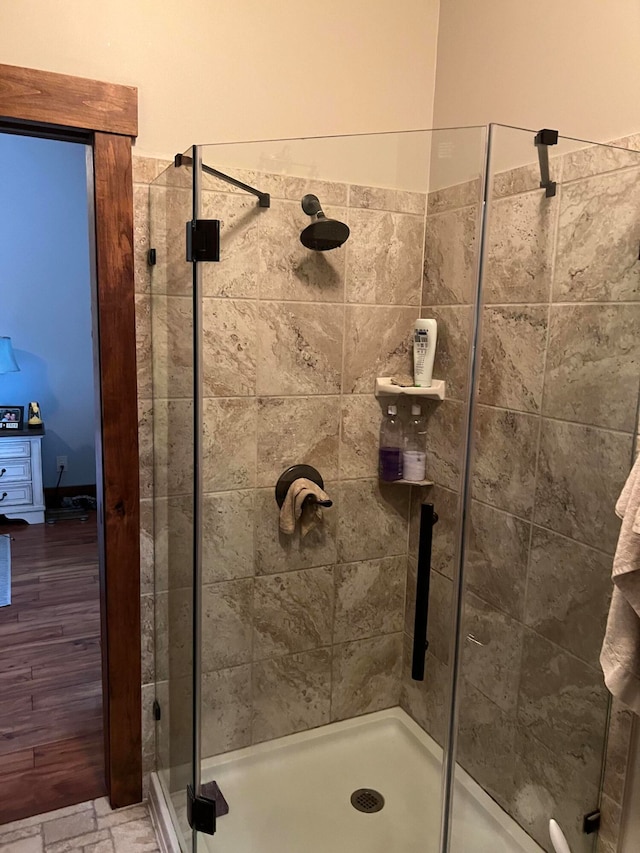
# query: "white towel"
{"type": "Point", "coordinates": [620, 655]}
{"type": "Point", "coordinates": [294, 506]}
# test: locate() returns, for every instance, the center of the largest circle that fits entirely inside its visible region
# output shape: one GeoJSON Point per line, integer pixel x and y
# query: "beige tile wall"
{"type": "Point", "coordinates": [295, 633]}
{"type": "Point", "coordinates": [555, 422]}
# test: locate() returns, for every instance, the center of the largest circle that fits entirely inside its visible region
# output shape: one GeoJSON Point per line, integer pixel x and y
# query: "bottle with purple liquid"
{"type": "Point", "coordinates": [391, 445]}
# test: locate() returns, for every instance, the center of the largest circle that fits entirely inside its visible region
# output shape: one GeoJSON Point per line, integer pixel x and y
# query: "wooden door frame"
{"type": "Point", "coordinates": [108, 115]}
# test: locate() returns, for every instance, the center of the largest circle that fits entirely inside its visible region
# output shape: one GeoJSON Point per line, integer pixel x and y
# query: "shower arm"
{"type": "Point", "coordinates": [542, 140]}
{"type": "Point", "coordinates": [264, 199]}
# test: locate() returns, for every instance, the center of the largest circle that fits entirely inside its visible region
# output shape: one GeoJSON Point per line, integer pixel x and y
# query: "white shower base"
{"type": "Point", "coordinates": [292, 795]}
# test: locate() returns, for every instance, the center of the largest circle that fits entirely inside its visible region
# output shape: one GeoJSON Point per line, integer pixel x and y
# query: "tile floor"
{"type": "Point", "coordinates": [90, 827]}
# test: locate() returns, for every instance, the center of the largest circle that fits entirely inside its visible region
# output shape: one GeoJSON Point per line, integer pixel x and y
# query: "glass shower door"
{"type": "Point", "coordinates": [311, 724]}
{"type": "Point", "coordinates": [555, 403]}
{"type": "Point", "coordinates": [172, 417]}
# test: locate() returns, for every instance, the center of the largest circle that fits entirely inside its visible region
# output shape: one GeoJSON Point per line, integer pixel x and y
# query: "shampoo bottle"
{"type": "Point", "coordinates": [424, 351]}
{"type": "Point", "coordinates": [391, 443]}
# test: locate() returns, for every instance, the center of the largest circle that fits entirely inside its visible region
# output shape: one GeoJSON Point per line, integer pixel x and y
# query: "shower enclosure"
{"type": "Point", "coordinates": [293, 711]}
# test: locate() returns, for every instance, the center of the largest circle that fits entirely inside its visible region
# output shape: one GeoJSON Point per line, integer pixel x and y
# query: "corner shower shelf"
{"type": "Point", "coordinates": [385, 388]}
{"type": "Point", "coordinates": [408, 482]}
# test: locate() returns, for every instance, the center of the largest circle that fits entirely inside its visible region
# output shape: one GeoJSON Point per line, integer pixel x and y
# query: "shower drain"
{"type": "Point", "coordinates": [367, 800]}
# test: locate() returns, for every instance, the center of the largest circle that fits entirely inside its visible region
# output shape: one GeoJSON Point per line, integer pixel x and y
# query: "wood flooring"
{"type": "Point", "coordinates": [51, 741]}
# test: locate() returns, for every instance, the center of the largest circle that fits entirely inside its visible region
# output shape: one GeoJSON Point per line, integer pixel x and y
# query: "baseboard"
{"type": "Point", "coordinates": [161, 817]}
{"type": "Point", "coordinates": [51, 493]}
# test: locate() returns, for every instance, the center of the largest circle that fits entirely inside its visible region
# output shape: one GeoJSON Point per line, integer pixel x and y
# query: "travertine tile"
{"type": "Point", "coordinates": [445, 532]}
{"type": "Point", "coordinates": [545, 785]}
{"type": "Point", "coordinates": [145, 447]}
{"type": "Point", "coordinates": [227, 536]}
{"type": "Point", "coordinates": [329, 192]}
{"type": "Point", "coordinates": [598, 233]}
{"type": "Point", "coordinates": [440, 611]}
{"type": "Point", "coordinates": [369, 598]}
{"type": "Point", "coordinates": [366, 676]}
{"type": "Point", "coordinates": [581, 471]}
{"type": "Point", "coordinates": [498, 574]}
{"type": "Point", "coordinates": [300, 348]}
{"type": "Point", "coordinates": [384, 257]}
{"type": "Point", "coordinates": [359, 435]}
{"type": "Point", "coordinates": [172, 328]}
{"type": "Point", "coordinates": [146, 546]}
{"type": "Point", "coordinates": [595, 160]}
{"type": "Point", "coordinates": [573, 612]}
{"type": "Point", "coordinates": [523, 178]}
{"type": "Point", "coordinates": [372, 198]}
{"type": "Point", "coordinates": [229, 347]}
{"type": "Point", "coordinates": [143, 345]}
{"type": "Point", "coordinates": [169, 209]}
{"type": "Point", "coordinates": [148, 730]}
{"type": "Point", "coordinates": [179, 633]}
{"type": "Point", "coordinates": [291, 694]}
{"type": "Point", "coordinates": [493, 664]}
{"type": "Point", "coordinates": [520, 249]}
{"type": "Point", "coordinates": [457, 195]}
{"type": "Point", "coordinates": [505, 459]}
{"type": "Point", "coordinates": [147, 638]}
{"type": "Point", "coordinates": [445, 440]}
{"type": "Point", "coordinates": [32, 844]}
{"type": "Point", "coordinates": [610, 824]}
{"type": "Point", "coordinates": [452, 347]}
{"type": "Point", "coordinates": [141, 269]}
{"type": "Point", "coordinates": [617, 751]}
{"type": "Point", "coordinates": [172, 449]}
{"type": "Point", "coordinates": [229, 444]}
{"type": "Point", "coordinates": [372, 521]}
{"type": "Point", "coordinates": [113, 817]}
{"type": "Point", "coordinates": [562, 702]}
{"type": "Point", "coordinates": [512, 357]}
{"type": "Point", "coordinates": [486, 739]}
{"type": "Point", "coordinates": [297, 430]}
{"type": "Point", "coordinates": [226, 710]}
{"type": "Point", "coordinates": [236, 273]}
{"type": "Point", "coordinates": [426, 701]}
{"type": "Point", "coordinates": [450, 257]}
{"type": "Point", "coordinates": [227, 615]}
{"type": "Point", "coordinates": [63, 828]}
{"type": "Point", "coordinates": [147, 169]}
{"type": "Point", "coordinates": [378, 342]}
{"type": "Point", "coordinates": [292, 612]}
{"type": "Point", "coordinates": [173, 545]}
{"type": "Point", "coordinates": [287, 269]}
{"type": "Point", "coordinates": [135, 837]}
{"type": "Point", "coordinates": [591, 371]}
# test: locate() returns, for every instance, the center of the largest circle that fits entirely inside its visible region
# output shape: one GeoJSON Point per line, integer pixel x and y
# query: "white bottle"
{"type": "Point", "coordinates": [414, 457]}
{"type": "Point", "coordinates": [425, 336]}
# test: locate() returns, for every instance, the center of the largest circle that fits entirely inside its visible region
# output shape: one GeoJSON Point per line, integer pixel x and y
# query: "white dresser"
{"type": "Point", "coordinates": [21, 491]}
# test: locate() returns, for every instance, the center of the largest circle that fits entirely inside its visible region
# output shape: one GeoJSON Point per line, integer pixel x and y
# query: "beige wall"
{"type": "Point", "coordinates": [571, 65]}
{"type": "Point", "coordinates": [240, 69]}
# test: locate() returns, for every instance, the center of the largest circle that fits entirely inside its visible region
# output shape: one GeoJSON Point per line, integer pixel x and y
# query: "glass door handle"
{"type": "Point", "coordinates": [421, 619]}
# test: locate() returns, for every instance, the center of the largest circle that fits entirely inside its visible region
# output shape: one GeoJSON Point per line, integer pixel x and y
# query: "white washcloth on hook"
{"type": "Point", "coordinates": [294, 506]}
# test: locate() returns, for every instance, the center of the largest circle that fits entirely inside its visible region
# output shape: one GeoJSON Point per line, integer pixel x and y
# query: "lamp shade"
{"type": "Point", "coordinates": [8, 363]}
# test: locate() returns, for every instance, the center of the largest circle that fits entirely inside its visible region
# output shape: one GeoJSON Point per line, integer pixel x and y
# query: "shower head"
{"type": "Point", "coordinates": [323, 233]}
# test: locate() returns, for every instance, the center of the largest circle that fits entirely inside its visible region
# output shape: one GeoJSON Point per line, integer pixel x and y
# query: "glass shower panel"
{"type": "Point", "coordinates": [306, 641]}
{"type": "Point", "coordinates": [170, 207]}
{"type": "Point", "coordinates": [555, 407]}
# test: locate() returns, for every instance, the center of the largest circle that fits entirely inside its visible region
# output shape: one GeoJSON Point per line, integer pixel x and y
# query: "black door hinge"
{"type": "Point", "coordinates": [591, 822]}
{"type": "Point", "coordinates": [201, 812]}
{"type": "Point", "coordinates": [151, 257]}
{"type": "Point", "coordinates": [203, 240]}
{"type": "Point", "coordinates": [157, 711]}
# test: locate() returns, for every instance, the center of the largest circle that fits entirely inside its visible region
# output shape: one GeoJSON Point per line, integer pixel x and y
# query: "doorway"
{"type": "Point", "coordinates": [51, 728]}
{"type": "Point", "coordinates": [104, 117]}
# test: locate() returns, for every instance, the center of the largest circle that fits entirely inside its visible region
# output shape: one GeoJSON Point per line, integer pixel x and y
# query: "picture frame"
{"type": "Point", "coordinates": [11, 418]}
